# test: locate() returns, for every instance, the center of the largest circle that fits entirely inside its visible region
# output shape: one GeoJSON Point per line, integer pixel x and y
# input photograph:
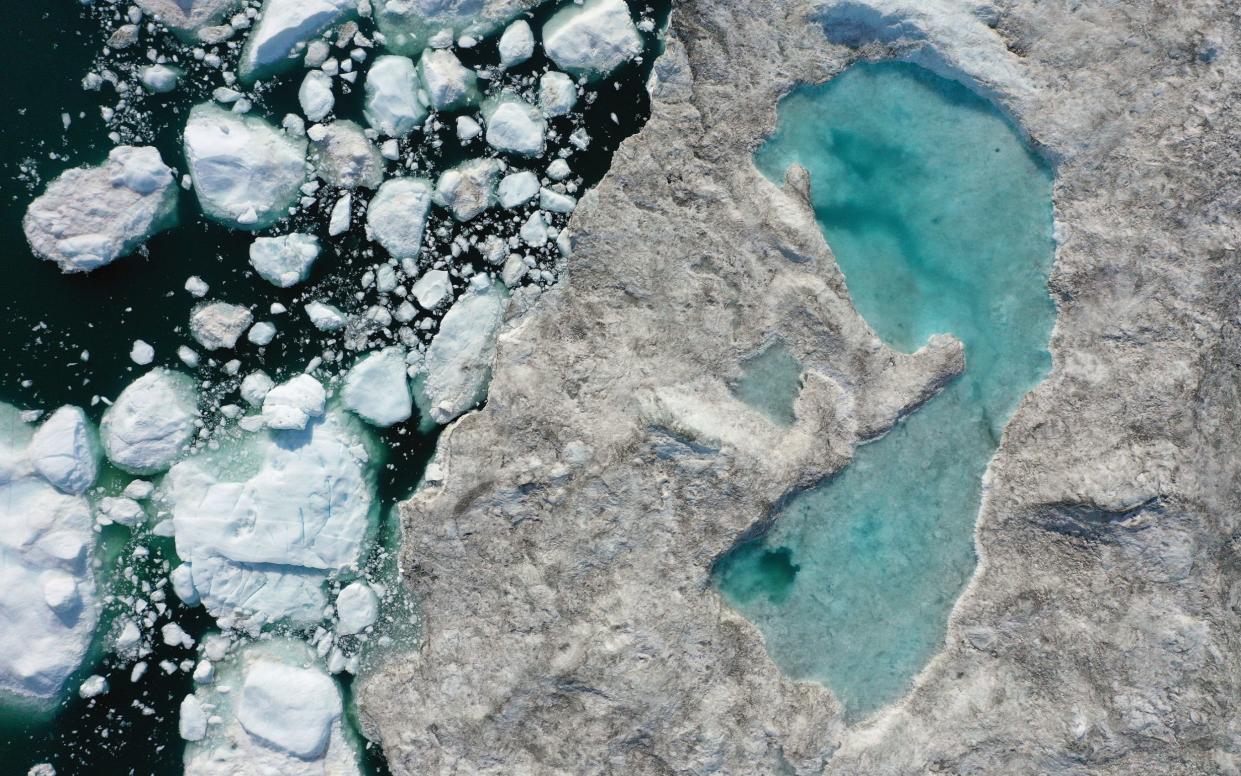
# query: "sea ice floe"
{"type": "Point", "coordinates": [357, 608]}
{"type": "Point", "coordinates": [246, 172]}
{"type": "Point", "coordinates": [325, 317]}
{"type": "Point", "coordinates": [398, 214]}
{"type": "Point", "coordinates": [293, 403]}
{"type": "Point", "coordinates": [469, 188]}
{"type": "Point", "coordinates": [159, 79]}
{"type": "Point", "coordinates": [458, 361]}
{"type": "Point", "coordinates": [516, 44]}
{"type": "Point", "coordinates": [192, 719]}
{"type": "Point", "coordinates": [282, 27]}
{"type": "Point", "coordinates": [151, 423]}
{"type": "Point", "coordinates": [411, 25]}
{"type": "Point", "coordinates": [254, 388]}
{"type": "Point", "coordinates": [534, 231]}
{"type": "Point", "coordinates": [344, 157]}
{"type": "Point", "coordinates": [261, 333]}
{"type": "Point", "coordinates": [315, 95]}
{"type": "Point", "coordinates": [514, 126]}
{"type": "Point", "coordinates": [341, 217]}
{"type": "Point", "coordinates": [218, 325]}
{"type": "Point", "coordinates": [432, 289]}
{"type": "Point", "coordinates": [593, 38]}
{"type": "Point", "coordinates": [449, 84]}
{"type": "Point", "coordinates": [555, 202]}
{"type": "Point", "coordinates": [65, 452]}
{"type": "Point", "coordinates": [141, 353]}
{"type": "Point", "coordinates": [557, 93]}
{"type": "Point", "coordinates": [392, 104]}
{"type": "Point", "coordinates": [376, 388]}
{"type": "Point", "coordinates": [91, 216]}
{"type": "Point", "coordinates": [187, 17]}
{"type": "Point", "coordinates": [558, 170]}
{"type": "Point", "coordinates": [518, 188]}
{"type": "Point", "coordinates": [286, 260]}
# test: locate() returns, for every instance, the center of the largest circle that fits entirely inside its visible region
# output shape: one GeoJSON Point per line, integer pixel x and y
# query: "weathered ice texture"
{"type": "Point", "coordinates": [563, 557]}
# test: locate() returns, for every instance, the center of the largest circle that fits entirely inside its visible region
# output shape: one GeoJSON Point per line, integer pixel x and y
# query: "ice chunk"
{"type": "Point", "coordinates": [398, 214]}
{"type": "Point", "coordinates": [283, 25]}
{"type": "Point", "coordinates": [122, 511]}
{"type": "Point", "coordinates": [93, 686]}
{"type": "Point", "coordinates": [469, 188]}
{"type": "Point", "coordinates": [292, 709]}
{"type": "Point", "coordinates": [432, 289]}
{"type": "Point", "coordinates": [255, 386]}
{"type": "Point", "coordinates": [196, 286]}
{"type": "Point", "coordinates": [91, 216]}
{"type": "Point", "coordinates": [159, 79]}
{"type": "Point", "coordinates": [467, 129]}
{"type": "Point", "coordinates": [187, 17]}
{"type": "Point", "coordinates": [516, 44]}
{"type": "Point", "coordinates": [64, 451]}
{"type": "Point", "coordinates": [410, 25]}
{"type": "Point", "coordinates": [344, 157]}
{"type": "Point", "coordinates": [458, 362]}
{"type": "Point", "coordinates": [534, 231]}
{"type": "Point", "coordinates": [376, 389]}
{"type": "Point", "coordinates": [325, 317]}
{"type": "Point", "coordinates": [182, 579]}
{"type": "Point", "coordinates": [517, 188]}
{"type": "Point", "coordinates": [292, 404]}
{"type": "Point", "coordinates": [341, 216]}
{"type": "Point", "coordinates": [448, 83]}
{"type": "Point", "coordinates": [286, 260]}
{"type": "Point", "coordinates": [138, 490]}
{"type": "Point", "coordinates": [557, 93]}
{"type": "Point", "coordinates": [514, 126]}
{"type": "Point", "coordinates": [315, 95]}
{"type": "Point", "coordinates": [246, 172]}
{"type": "Point", "coordinates": [357, 606]}
{"type": "Point", "coordinates": [262, 333]}
{"type": "Point", "coordinates": [593, 38]}
{"type": "Point", "coordinates": [392, 105]}
{"type": "Point", "coordinates": [555, 202]}
{"type": "Point", "coordinates": [47, 588]}
{"type": "Point", "coordinates": [218, 325]}
{"type": "Point", "coordinates": [558, 170]}
{"type": "Point", "coordinates": [192, 722]}
{"type": "Point", "coordinates": [141, 353]}
{"type": "Point", "coordinates": [151, 422]}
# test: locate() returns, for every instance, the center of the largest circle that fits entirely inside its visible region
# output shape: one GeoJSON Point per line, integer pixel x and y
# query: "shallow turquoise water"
{"type": "Point", "coordinates": [940, 216]}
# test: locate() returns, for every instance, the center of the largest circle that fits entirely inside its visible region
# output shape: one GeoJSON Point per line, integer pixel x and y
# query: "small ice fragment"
{"type": "Point", "coordinates": [376, 388]}
{"type": "Point", "coordinates": [345, 157]}
{"type": "Point", "coordinates": [254, 387]}
{"type": "Point", "coordinates": [593, 38]}
{"type": "Point", "coordinates": [556, 203]}
{"type": "Point", "coordinates": [341, 216]}
{"type": "Point", "coordinates": [262, 333]}
{"type": "Point", "coordinates": [196, 286]}
{"type": "Point", "coordinates": [517, 188]}
{"type": "Point", "coordinates": [432, 289]}
{"type": "Point", "coordinates": [315, 95]}
{"type": "Point", "coordinates": [139, 490]}
{"type": "Point", "coordinates": [151, 422]}
{"type": "Point", "coordinates": [192, 722]}
{"type": "Point", "coordinates": [397, 215]}
{"type": "Point", "coordinates": [392, 105]}
{"type": "Point", "coordinates": [286, 260]}
{"type": "Point", "coordinates": [93, 686]}
{"type": "Point", "coordinates": [558, 170]}
{"type": "Point", "coordinates": [183, 584]}
{"type": "Point", "coordinates": [514, 126]}
{"type": "Point", "coordinates": [467, 129]}
{"type": "Point", "coordinates": [218, 325]}
{"type": "Point", "coordinates": [469, 188]}
{"type": "Point", "coordinates": [159, 79]}
{"type": "Point", "coordinates": [448, 83]}
{"type": "Point", "coordinates": [292, 404]}
{"type": "Point", "coordinates": [324, 316]}
{"type": "Point", "coordinates": [64, 451]}
{"type": "Point", "coordinates": [141, 353]}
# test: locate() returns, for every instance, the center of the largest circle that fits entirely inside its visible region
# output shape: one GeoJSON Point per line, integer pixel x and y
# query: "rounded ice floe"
{"type": "Point", "coordinates": [188, 17]}
{"type": "Point", "coordinates": [518, 188]}
{"type": "Point", "coordinates": [283, 25]}
{"type": "Point", "coordinates": [557, 93]}
{"type": "Point", "coordinates": [315, 95]}
{"type": "Point", "coordinates": [64, 451]}
{"type": "Point", "coordinates": [516, 44]}
{"type": "Point", "coordinates": [433, 288]}
{"type": "Point", "coordinates": [47, 588]}
{"type": "Point", "coordinates": [392, 105]}
{"type": "Point", "coordinates": [376, 388]}
{"type": "Point", "coordinates": [151, 422]}
{"type": "Point", "coordinates": [218, 325]}
{"type": "Point", "coordinates": [344, 157]}
{"type": "Point", "coordinates": [325, 317]}
{"type": "Point", "coordinates": [593, 38]}
{"type": "Point", "coordinates": [141, 353]}
{"type": "Point", "coordinates": [292, 404]}
{"type": "Point", "coordinates": [91, 216]}
{"type": "Point", "coordinates": [246, 173]}
{"type": "Point", "coordinates": [449, 84]}
{"type": "Point", "coordinates": [255, 387]}
{"type": "Point", "coordinates": [469, 188]}
{"type": "Point", "coordinates": [93, 686]}
{"type": "Point", "coordinates": [289, 708]}
{"type": "Point", "coordinates": [514, 126]}
{"type": "Point", "coordinates": [357, 608]}
{"type": "Point", "coordinates": [286, 260]}
{"type": "Point", "coordinates": [398, 214]}
{"type": "Point", "coordinates": [467, 129]}
{"type": "Point", "coordinates": [458, 362]}
{"type": "Point", "coordinates": [159, 79]}
{"type": "Point", "coordinates": [261, 333]}
{"type": "Point", "coordinates": [558, 170]}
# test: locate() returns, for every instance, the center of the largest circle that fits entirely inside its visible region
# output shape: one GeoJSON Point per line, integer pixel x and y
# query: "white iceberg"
{"type": "Point", "coordinates": [449, 84]}
{"type": "Point", "coordinates": [151, 423]}
{"type": "Point", "coordinates": [357, 608]}
{"type": "Point", "coordinates": [432, 289]}
{"type": "Point", "coordinates": [65, 452]}
{"type": "Point", "coordinates": [325, 317]}
{"type": "Point", "coordinates": [557, 93]}
{"type": "Point", "coordinates": [392, 104]}
{"type": "Point", "coordinates": [469, 188]}
{"type": "Point", "coordinates": [286, 260]}
{"type": "Point", "coordinates": [344, 157]}
{"type": "Point", "coordinates": [518, 188]}
{"type": "Point", "coordinates": [292, 404]}
{"type": "Point", "coordinates": [398, 214]}
{"type": "Point", "coordinates": [457, 368]}
{"type": "Point", "coordinates": [593, 38]}
{"type": "Point", "coordinates": [514, 126]}
{"type": "Point", "coordinates": [516, 44]}
{"type": "Point", "coordinates": [315, 95]}
{"type": "Point", "coordinates": [283, 27]}
{"type": "Point", "coordinates": [159, 79]}
{"type": "Point", "coordinates": [376, 388]}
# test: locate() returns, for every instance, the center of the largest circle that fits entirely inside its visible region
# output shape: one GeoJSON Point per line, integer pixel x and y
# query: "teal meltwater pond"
{"type": "Point", "coordinates": [940, 216]}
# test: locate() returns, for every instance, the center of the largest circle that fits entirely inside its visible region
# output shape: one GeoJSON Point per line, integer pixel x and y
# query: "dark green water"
{"type": "Point", "coordinates": [940, 216]}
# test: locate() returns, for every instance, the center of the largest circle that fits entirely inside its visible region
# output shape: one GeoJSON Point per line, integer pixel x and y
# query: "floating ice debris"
{"type": "Point", "coordinates": [286, 260]}
{"type": "Point", "coordinates": [183, 584]}
{"type": "Point", "coordinates": [357, 608]}
{"type": "Point", "coordinates": [342, 216]}
{"type": "Point", "coordinates": [513, 125]}
{"type": "Point", "coordinates": [325, 317]}
{"type": "Point", "coordinates": [218, 325]}
{"type": "Point", "coordinates": [516, 44]}
{"type": "Point", "coordinates": [261, 333]}
{"type": "Point", "coordinates": [556, 202]}
{"type": "Point", "coordinates": [192, 721]}
{"type": "Point", "coordinates": [467, 129]}
{"type": "Point", "coordinates": [557, 93]}
{"type": "Point", "coordinates": [292, 404]}
{"type": "Point", "coordinates": [398, 214]}
{"type": "Point", "coordinates": [432, 289]}
{"type": "Point", "coordinates": [122, 511]}
{"type": "Point", "coordinates": [376, 389]}
{"type": "Point", "coordinates": [469, 188]}
{"type": "Point", "coordinates": [345, 158]}
{"type": "Point", "coordinates": [282, 26]}
{"type": "Point", "coordinates": [411, 25]}
{"type": "Point", "coordinates": [47, 588]}
{"type": "Point", "coordinates": [392, 105]}
{"type": "Point", "coordinates": [187, 17]}
{"type": "Point", "coordinates": [93, 686]}
{"type": "Point", "coordinates": [188, 356]}
{"type": "Point", "coordinates": [196, 286]}
{"type": "Point", "coordinates": [246, 172]}
{"type": "Point", "coordinates": [291, 709]}
{"type": "Point", "coordinates": [159, 79]}
{"type": "Point", "coordinates": [517, 188]}
{"type": "Point", "coordinates": [534, 231]}
{"type": "Point", "coordinates": [593, 38]}
{"type": "Point", "coordinates": [91, 216]}
{"type": "Point", "coordinates": [449, 84]}
{"type": "Point", "coordinates": [141, 353]}
{"type": "Point", "coordinates": [151, 422]}
{"type": "Point", "coordinates": [65, 452]}
{"type": "Point", "coordinates": [315, 95]}
{"type": "Point", "coordinates": [558, 170]}
{"type": "Point", "coordinates": [458, 362]}
{"type": "Point", "coordinates": [138, 490]}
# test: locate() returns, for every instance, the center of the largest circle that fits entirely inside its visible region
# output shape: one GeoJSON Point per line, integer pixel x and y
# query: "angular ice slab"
{"type": "Point", "coordinates": [458, 362]}
{"type": "Point", "coordinates": [398, 214]}
{"type": "Point", "coordinates": [151, 423]}
{"type": "Point", "coordinates": [392, 104]}
{"type": "Point", "coordinates": [286, 260]}
{"type": "Point", "coordinates": [469, 188]}
{"type": "Point", "coordinates": [246, 172]}
{"type": "Point", "coordinates": [65, 451]}
{"type": "Point", "coordinates": [345, 158]}
{"type": "Point", "coordinates": [449, 84]}
{"type": "Point", "coordinates": [592, 39]}
{"type": "Point", "coordinates": [514, 126]}
{"type": "Point", "coordinates": [283, 27]}
{"type": "Point", "coordinates": [376, 389]}
{"type": "Point", "coordinates": [91, 216]}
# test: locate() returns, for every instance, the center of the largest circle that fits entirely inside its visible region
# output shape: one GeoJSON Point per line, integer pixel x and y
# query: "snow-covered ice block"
{"type": "Point", "coordinates": [344, 157]}
{"type": "Point", "coordinates": [341, 217]}
{"type": "Point", "coordinates": [458, 362]}
{"type": "Point", "coordinates": [254, 388]}
{"type": "Point", "coordinates": [289, 708]}
{"type": "Point", "coordinates": [159, 79]}
{"type": "Point", "coordinates": [514, 126]}
{"type": "Point", "coordinates": [282, 27]}
{"type": "Point", "coordinates": [518, 188]}
{"type": "Point", "coordinates": [357, 608]}
{"type": "Point", "coordinates": [555, 202]}
{"type": "Point", "coordinates": [376, 388]}
{"type": "Point", "coordinates": [246, 172]}
{"type": "Point", "coordinates": [141, 353]}
{"type": "Point", "coordinates": [151, 422]}
{"type": "Point", "coordinates": [557, 93]}
{"type": "Point", "coordinates": [593, 38]}
{"type": "Point", "coordinates": [516, 44]}
{"type": "Point", "coordinates": [392, 104]}
{"type": "Point", "coordinates": [534, 231]}
{"type": "Point", "coordinates": [469, 188]}
{"type": "Point", "coordinates": [467, 129]}
{"type": "Point", "coordinates": [432, 289]}
{"type": "Point", "coordinates": [65, 451]}
{"type": "Point", "coordinates": [192, 719]}
{"type": "Point", "coordinates": [315, 95]}
{"type": "Point", "coordinates": [292, 404]}
{"type": "Point", "coordinates": [398, 214]}
{"type": "Point", "coordinates": [449, 84]}
{"type": "Point", "coordinates": [286, 260]}
{"type": "Point", "coordinates": [91, 216]}
{"type": "Point", "coordinates": [262, 333]}
{"type": "Point", "coordinates": [218, 325]}
{"type": "Point", "coordinates": [325, 317]}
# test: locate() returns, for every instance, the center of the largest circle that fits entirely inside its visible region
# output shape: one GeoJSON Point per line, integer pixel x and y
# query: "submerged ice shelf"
{"type": "Point", "coordinates": [940, 217]}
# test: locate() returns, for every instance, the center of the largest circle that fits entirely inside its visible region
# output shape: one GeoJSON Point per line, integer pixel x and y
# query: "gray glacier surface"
{"type": "Point", "coordinates": [563, 552]}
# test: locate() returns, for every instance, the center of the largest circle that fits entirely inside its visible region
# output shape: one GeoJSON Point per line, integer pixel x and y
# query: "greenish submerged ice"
{"type": "Point", "coordinates": [940, 216]}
